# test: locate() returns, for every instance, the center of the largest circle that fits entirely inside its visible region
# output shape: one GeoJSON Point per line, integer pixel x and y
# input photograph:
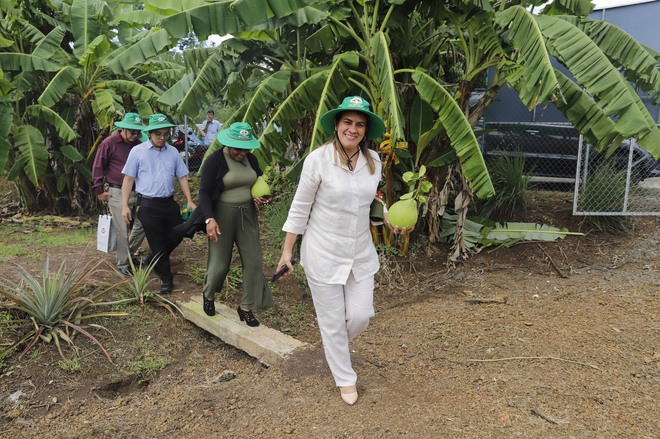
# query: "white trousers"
{"type": "Point", "coordinates": [343, 313]}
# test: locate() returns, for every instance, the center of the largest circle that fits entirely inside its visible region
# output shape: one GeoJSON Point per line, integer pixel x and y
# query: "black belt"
{"type": "Point", "coordinates": [116, 186]}
{"type": "Point", "coordinates": [171, 197]}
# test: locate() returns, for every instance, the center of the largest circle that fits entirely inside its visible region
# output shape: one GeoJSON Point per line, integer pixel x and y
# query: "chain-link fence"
{"type": "Point", "coordinates": [622, 181]}
{"type": "Point", "coordinates": [189, 145]}
{"type": "Point", "coordinates": [627, 183]}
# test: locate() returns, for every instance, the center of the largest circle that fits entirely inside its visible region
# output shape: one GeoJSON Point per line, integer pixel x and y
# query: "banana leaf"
{"type": "Point", "coordinates": [523, 231]}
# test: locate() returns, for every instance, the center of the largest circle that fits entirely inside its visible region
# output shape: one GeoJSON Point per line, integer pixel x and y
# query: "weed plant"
{"type": "Point", "coordinates": [6, 322]}
{"type": "Point", "coordinates": [148, 367]}
{"type": "Point", "coordinates": [291, 318]}
{"type": "Point", "coordinates": [604, 191]}
{"type": "Point", "coordinates": [198, 273]}
{"type": "Point", "coordinates": [510, 181]}
{"type": "Point", "coordinates": [70, 365]}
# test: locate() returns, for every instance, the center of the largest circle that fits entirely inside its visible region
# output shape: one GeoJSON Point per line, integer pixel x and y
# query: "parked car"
{"type": "Point", "coordinates": [551, 150]}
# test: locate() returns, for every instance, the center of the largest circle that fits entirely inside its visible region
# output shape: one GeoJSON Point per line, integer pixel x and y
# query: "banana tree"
{"type": "Point", "coordinates": [418, 63]}
{"type": "Point", "coordinates": [68, 81]}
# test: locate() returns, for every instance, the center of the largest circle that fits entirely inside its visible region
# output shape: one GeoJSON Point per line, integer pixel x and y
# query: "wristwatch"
{"type": "Point", "coordinates": [208, 220]}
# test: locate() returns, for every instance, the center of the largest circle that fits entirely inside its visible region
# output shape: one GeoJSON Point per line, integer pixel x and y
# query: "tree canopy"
{"type": "Point", "coordinates": [70, 67]}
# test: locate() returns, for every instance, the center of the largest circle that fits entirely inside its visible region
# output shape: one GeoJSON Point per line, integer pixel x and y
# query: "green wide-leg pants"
{"type": "Point", "coordinates": [238, 224]}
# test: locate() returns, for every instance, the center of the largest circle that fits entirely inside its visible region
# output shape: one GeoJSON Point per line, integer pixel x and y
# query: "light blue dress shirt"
{"type": "Point", "coordinates": [154, 170]}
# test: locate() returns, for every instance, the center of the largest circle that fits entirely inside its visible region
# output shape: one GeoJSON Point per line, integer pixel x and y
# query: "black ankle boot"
{"type": "Point", "coordinates": [209, 306]}
{"type": "Point", "coordinates": [166, 286]}
{"type": "Point", "coordinates": [248, 317]}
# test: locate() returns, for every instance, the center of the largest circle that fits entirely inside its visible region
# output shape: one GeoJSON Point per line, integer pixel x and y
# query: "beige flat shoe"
{"type": "Point", "coordinates": [349, 398]}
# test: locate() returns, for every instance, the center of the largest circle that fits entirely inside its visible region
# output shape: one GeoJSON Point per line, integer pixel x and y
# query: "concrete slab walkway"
{"type": "Point", "coordinates": [267, 345]}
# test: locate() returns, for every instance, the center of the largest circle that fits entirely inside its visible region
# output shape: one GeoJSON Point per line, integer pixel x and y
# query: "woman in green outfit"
{"type": "Point", "coordinates": [231, 218]}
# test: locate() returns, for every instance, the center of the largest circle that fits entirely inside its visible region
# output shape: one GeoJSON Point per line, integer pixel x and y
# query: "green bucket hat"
{"type": "Point", "coordinates": [158, 121]}
{"type": "Point", "coordinates": [238, 135]}
{"type": "Point", "coordinates": [131, 121]}
{"type": "Point", "coordinates": [354, 103]}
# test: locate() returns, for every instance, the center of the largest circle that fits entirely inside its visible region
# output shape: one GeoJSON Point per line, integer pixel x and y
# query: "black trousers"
{"type": "Point", "coordinates": [159, 216]}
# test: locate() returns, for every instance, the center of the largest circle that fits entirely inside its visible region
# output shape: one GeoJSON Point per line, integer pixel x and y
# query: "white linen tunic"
{"type": "Point", "coordinates": [331, 211]}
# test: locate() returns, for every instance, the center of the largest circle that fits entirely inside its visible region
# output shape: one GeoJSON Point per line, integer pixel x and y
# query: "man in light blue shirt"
{"type": "Point", "coordinates": [153, 166]}
{"type": "Point", "coordinates": [211, 128]}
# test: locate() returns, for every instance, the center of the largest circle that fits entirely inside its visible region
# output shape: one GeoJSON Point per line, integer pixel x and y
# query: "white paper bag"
{"type": "Point", "coordinates": [106, 240]}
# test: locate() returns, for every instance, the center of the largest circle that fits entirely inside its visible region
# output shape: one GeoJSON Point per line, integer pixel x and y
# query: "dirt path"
{"type": "Point", "coordinates": [503, 346]}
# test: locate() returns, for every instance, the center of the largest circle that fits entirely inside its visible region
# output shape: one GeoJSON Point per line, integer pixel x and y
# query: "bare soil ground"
{"type": "Point", "coordinates": [541, 340]}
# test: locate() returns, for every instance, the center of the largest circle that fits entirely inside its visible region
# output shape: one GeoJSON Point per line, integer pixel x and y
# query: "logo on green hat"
{"type": "Point", "coordinates": [131, 121]}
{"type": "Point", "coordinates": [238, 135]}
{"type": "Point", "coordinates": [354, 103]}
{"type": "Point", "coordinates": [158, 121]}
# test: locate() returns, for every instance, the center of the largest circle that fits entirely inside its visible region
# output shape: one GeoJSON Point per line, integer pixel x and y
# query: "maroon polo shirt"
{"type": "Point", "coordinates": [110, 159]}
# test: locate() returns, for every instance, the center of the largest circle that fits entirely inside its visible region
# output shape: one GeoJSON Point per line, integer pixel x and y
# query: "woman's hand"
{"type": "Point", "coordinates": [285, 260]}
{"type": "Point", "coordinates": [213, 230]}
{"type": "Point", "coordinates": [263, 200]}
{"type": "Point", "coordinates": [287, 253]}
{"type": "Point", "coordinates": [396, 229]}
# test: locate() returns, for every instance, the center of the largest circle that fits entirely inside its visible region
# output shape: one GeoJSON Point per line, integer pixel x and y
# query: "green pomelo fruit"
{"type": "Point", "coordinates": [260, 188]}
{"type": "Point", "coordinates": [403, 213]}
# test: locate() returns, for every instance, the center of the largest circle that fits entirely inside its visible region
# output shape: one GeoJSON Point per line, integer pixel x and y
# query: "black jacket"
{"type": "Point", "coordinates": [211, 186]}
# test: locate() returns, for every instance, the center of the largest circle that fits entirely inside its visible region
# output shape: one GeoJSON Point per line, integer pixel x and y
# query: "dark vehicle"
{"type": "Point", "coordinates": [192, 153]}
{"type": "Point", "coordinates": [551, 151]}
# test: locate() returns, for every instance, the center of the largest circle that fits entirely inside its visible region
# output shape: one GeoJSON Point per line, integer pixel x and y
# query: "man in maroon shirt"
{"type": "Point", "coordinates": [107, 178]}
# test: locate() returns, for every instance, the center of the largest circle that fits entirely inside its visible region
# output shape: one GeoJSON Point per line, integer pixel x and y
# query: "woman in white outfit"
{"type": "Point", "coordinates": [331, 210]}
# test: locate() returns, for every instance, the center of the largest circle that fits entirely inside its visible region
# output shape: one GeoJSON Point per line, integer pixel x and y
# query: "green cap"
{"type": "Point", "coordinates": [158, 121]}
{"type": "Point", "coordinates": [238, 135]}
{"type": "Point", "coordinates": [354, 103]}
{"type": "Point", "coordinates": [131, 121]}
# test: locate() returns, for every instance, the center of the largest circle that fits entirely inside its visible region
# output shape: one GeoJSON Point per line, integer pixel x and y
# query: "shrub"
{"type": "Point", "coordinates": [275, 214]}
{"type": "Point", "coordinates": [510, 181]}
{"type": "Point", "coordinates": [604, 191]}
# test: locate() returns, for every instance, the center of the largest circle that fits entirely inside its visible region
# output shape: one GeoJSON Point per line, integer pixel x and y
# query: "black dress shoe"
{"type": "Point", "coordinates": [166, 286]}
{"type": "Point", "coordinates": [209, 306]}
{"type": "Point", "coordinates": [146, 260]}
{"type": "Point", "coordinates": [248, 317]}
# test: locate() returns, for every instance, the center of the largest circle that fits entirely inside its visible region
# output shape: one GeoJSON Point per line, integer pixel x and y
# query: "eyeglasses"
{"type": "Point", "coordinates": [161, 135]}
{"type": "Point", "coordinates": [133, 132]}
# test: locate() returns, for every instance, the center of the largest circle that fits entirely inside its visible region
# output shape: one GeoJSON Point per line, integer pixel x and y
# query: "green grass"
{"type": "Point", "coordinates": [44, 237]}
{"type": "Point", "coordinates": [70, 365]}
{"type": "Point", "coordinates": [34, 239]}
{"type": "Point", "coordinates": [291, 317]}
{"type": "Point", "coordinates": [234, 278]}
{"type": "Point", "coordinates": [299, 312]}
{"type": "Point", "coordinates": [274, 317]}
{"type": "Point", "coordinates": [7, 329]}
{"type": "Point", "coordinates": [148, 367]}
{"type": "Point", "coordinates": [198, 272]}
{"type": "Point", "coordinates": [10, 251]}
